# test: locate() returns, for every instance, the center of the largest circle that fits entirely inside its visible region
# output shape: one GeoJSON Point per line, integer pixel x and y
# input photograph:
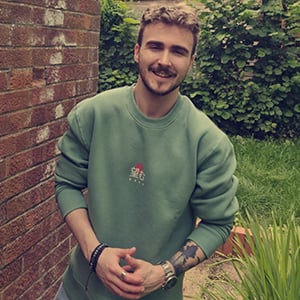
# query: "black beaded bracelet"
{"type": "Point", "coordinates": [94, 260]}
{"type": "Point", "coordinates": [95, 256]}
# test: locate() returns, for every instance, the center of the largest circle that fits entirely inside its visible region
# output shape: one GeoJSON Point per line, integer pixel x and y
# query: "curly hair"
{"type": "Point", "coordinates": [181, 15]}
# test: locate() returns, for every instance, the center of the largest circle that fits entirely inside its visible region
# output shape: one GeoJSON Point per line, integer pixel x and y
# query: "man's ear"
{"type": "Point", "coordinates": [192, 62]}
{"type": "Point", "coordinates": [136, 53]}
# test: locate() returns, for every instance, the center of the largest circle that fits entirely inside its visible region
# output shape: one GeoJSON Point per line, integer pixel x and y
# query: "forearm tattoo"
{"type": "Point", "coordinates": [189, 256]}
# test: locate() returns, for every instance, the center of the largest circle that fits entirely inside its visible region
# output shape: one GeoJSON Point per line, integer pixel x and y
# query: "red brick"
{"type": "Point", "coordinates": [242, 236]}
{"type": "Point", "coordinates": [39, 251]}
{"type": "Point", "coordinates": [65, 90]}
{"type": "Point", "coordinates": [95, 23]}
{"type": "Point", "coordinates": [10, 273]}
{"type": "Point", "coordinates": [11, 230]}
{"type": "Point", "coordinates": [15, 100]}
{"type": "Point", "coordinates": [86, 86]}
{"type": "Point", "coordinates": [46, 280]}
{"type": "Point", "coordinates": [20, 78]}
{"type": "Point", "coordinates": [73, 6]}
{"type": "Point", "coordinates": [3, 219]}
{"type": "Point", "coordinates": [33, 176]}
{"type": "Point", "coordinates": [12, 187]}
{"type": "Point", "coordinates": [5, 35]}
{"type": "Point", "coordinates": [51, 258]}
{"type": "Point", "coordinates": [60, 37]}
{"type": "Point", "coordinates": [32, 2]}
{"type": "Point", "coordinates": [3, 169]}
{"type": "Point", "coordinates": [38, 15]}
{"type": "Point", "coordinates": [4, 125]}
{"type": "Point", "coordinates": [22, 283]}
{"type": "Point", "coordinates": [23, 202]}
{"type": "Point", "coordinates": [52, 290]}
{"type": "Point", "coordinates": [21, 36]}
{"type": "Point", "coordinates": [58, 4]}
{"type": "Point", "coordinates": [19, 162]}
{"type": "Point", "coordinates": [52, 222]}
{"type": "Point", "coordinates": [80, 21]}
{"type": "Point", "coordinates": [11, 123]}
{"type": "Point", "coordinates": [90, 7]}
{"type": "Point", "coordinates": [41, 57]}
{"type": "Point", "coordinates": [38, 213]}
{"type": "Point", "coordinates": [232, 246]}
{"type": "Point", "coordinates": [15, 13]}
{"type": "Point", "coordinates": [73, 72]}
{"type": "Point", "coordinates": [50, 149]}
{"type": "Point", "coordinates": [87, 39]}
{"type": "Point", "coordinates": [76, 56]}
{"type": "Point", "coordinates": [4, 76]}
{"type": "Point", "coordinates": [63, 233]}
{"type": "Point", "coordinates": [11, 144]}
{"type": "Point", "coordinates": [48, 189]}
{"type": "Point", "coordinates": [38, 73]}
{"type": "Point", "coordinates": [17, 58]}
{"type": "Point", "coordinates": [24, 242]}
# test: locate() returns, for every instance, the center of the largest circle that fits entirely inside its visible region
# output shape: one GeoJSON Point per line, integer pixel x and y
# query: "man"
{"type": "Point", "coordinates": [152, 164]}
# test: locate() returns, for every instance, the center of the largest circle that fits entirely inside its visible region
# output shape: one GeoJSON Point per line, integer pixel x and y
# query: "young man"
{"type": "Point", "coordinates": [152, 164]}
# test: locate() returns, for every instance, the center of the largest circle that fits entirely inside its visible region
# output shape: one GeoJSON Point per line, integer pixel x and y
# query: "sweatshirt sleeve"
{"type": "Point", "coordinates": [213, 199]}
{"type": "Point", "coordinates": [72, 165]}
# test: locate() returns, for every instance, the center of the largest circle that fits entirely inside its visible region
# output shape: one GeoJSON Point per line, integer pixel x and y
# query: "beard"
{"type": "Point", "coordinates": [157, 92]}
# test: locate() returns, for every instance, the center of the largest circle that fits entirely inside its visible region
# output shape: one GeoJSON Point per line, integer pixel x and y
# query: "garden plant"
{"type": "Point", "coordinates": [272, 271]}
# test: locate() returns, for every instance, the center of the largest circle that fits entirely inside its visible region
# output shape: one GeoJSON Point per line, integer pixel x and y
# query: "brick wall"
{"type": "Point", "coordinates": [48, 62]}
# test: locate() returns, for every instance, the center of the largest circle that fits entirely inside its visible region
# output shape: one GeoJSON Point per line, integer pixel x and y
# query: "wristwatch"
{"type": "Point", "coordinates": [170, 277]}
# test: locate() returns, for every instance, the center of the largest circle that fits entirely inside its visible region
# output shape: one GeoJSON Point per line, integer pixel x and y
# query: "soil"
{"type": "Point", "coordinates": [214, 268]}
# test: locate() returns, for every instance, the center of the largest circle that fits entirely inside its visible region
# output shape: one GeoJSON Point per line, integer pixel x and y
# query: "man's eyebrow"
{"type": "Point", "coordinates": [181, 49]}
{"type": "Point", "coordinates": [156, 43]}
{"type": "Point", "coordinates": [184, 50]}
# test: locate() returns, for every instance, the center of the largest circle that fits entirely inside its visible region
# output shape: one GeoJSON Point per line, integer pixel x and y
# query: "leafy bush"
{"type": "Point", "coordinates": [247, 74]}
{"type": "Point", "coordinates": [117, 39]}
{"type": "Point", "coordinates": [247, 77]}
{"type": "Point", "coordinates": [273, 269]}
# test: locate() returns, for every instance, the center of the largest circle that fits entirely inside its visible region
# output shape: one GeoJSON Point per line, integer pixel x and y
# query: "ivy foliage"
{"type": "Point", "coordinates": [117, 39]}
{"type": "Point", "coordinates": [247, 77]}
{"type": "Point", "coordinates": [247, 73]}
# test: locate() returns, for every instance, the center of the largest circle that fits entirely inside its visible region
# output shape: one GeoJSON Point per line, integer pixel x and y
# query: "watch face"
{"type": "Point", "coordinates": [171, 282]}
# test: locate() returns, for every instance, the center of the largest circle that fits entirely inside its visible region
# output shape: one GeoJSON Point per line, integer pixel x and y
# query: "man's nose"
{"type": "Point", "coordinates": [165, 58]}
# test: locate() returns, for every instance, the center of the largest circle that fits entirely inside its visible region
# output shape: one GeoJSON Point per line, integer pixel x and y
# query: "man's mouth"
{"type": "Point", "coordinates": [163, 73]}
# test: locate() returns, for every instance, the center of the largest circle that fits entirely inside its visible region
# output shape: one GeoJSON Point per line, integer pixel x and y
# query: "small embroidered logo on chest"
{"type": "Point", "coordinates": [137, 174]}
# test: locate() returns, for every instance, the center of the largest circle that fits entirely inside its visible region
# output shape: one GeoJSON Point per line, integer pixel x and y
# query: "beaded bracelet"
{"type": "Point", "coordinates": [95, 256]}
{"type": "Point", "coordinates": [94, 260]}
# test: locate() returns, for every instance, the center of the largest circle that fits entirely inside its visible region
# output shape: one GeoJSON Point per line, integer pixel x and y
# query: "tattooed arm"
{"type": "Point", "coordinates": [187, 257]}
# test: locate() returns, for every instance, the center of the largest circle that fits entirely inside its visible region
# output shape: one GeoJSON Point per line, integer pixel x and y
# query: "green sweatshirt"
{"type": "Point", "coordinates": [147, 179]}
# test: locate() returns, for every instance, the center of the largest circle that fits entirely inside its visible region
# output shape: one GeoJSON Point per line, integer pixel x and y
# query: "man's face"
{"type": "Point", "coordinates": [164, 57]}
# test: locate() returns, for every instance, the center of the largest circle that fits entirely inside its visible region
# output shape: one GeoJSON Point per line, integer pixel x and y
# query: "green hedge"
{"type": "Point", "coordinates": [117, 40]}
{"type": "Point", "coordinates": [247, 73]}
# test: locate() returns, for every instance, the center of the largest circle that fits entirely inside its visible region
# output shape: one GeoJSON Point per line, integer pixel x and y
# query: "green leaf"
{"type": "Point", "coordinates": [241, 64]}
{"type": "Point", "coordinates": [297, 108]}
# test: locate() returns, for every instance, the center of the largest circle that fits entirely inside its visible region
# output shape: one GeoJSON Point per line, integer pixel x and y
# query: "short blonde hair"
{"type": "Point", "coordinates": [181, 15]}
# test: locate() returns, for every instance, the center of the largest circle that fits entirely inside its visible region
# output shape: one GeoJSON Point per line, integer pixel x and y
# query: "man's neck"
{"type": "Point", "coordinates": [153, 106]}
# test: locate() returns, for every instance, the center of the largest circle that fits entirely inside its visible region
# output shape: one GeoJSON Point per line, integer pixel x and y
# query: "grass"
{"type": "Point", "coordinates": [269, 175]}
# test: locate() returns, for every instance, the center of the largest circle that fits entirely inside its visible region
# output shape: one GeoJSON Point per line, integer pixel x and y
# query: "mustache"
{"type": "Point", "coordinates": [163, 69]}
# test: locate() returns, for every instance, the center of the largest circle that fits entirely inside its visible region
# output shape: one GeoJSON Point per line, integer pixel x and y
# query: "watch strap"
{"type": "Point", "coordinates": [169, 274]}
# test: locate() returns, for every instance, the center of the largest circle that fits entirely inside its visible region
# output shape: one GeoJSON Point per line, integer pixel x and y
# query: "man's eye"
{"type": "Point", "coordinates": [178, 52]}
{"type": "Point", "coordinates": [154, 47]}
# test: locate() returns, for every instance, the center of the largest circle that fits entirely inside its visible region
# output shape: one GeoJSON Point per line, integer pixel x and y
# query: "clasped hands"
{"type": "Point", "coordinates": [135, 280]}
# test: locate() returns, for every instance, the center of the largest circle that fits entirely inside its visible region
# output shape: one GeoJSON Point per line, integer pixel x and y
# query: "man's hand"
{"type": "Point", "coordinates": [153, 275]}
{"type": "Point", "coordinates": [129, 286]}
